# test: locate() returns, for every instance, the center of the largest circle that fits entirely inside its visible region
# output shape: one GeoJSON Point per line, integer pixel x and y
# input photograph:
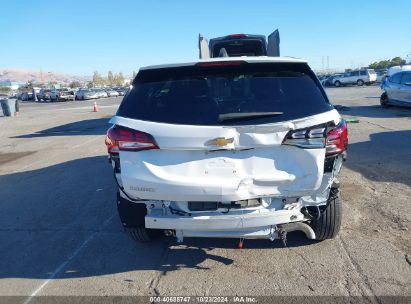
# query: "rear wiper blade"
{"type": "Point", "coordinates": [245, 116]}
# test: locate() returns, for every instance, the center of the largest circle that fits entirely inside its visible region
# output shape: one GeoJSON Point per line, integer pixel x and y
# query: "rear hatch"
{"type": "Point", "coordinates": [237, 45]}
{"type": "Point", "coordinates": [218, 132]}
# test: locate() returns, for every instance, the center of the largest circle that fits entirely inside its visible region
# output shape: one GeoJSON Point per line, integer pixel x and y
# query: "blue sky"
{"type": "Point", "coordinates": [79, 37]}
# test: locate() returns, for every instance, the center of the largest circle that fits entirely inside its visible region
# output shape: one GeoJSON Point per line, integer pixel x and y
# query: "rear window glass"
{"type": "Point", "coordinates": [200, 95]}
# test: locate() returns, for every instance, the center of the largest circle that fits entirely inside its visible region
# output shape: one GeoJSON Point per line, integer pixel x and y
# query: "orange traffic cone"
{"type": "Point", "coordinates": [95, 107]}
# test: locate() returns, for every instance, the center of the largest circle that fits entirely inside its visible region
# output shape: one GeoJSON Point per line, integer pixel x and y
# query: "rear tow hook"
{"type": "Point", "coordinates": [283, 237]}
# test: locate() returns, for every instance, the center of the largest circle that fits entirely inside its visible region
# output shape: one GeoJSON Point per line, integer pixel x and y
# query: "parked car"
{"type": "Point", "coordinates": [61, 95]}
{"type": "Point", "coordinates": [19, 95]}
{"type": "Point", "coordinates": [26, 96]}
{"type": "Point", "coordinates": [120, 90]}
{"type": "Point", "coordinates": [245, 147]}
{"type": "Point", "coordinates": [330, 80]}
{"type": "Point", "coordinates": [358, 77]}
{"type": "Point", "coordinates": [112, 93]}
{"type": "Point", "coordinates": [397, 90]}
{"type": "Point", "coordinates": [322, 78]}
{"type": "Point", "coordinates": [381, 74]}
{"type": "Point", "coordinates": [85, 94]}
{"type": "Point", "coordinates": [43, 95]}
{"type": "Point", "coordinates": [398, 68]}
{"type": "Point", "coordinates": [101, 93]}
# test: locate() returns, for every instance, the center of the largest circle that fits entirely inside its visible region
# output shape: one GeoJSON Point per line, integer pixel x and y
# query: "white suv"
{"type": "Point", "coordinates": [239, 147]}
{"type": "Point", "coordinates": [358, 77]}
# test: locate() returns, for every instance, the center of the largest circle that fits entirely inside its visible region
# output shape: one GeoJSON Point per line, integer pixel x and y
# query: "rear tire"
{"type": "Point", "coordinates": [360, 82]}
{"type": "Point", "coordinates": [132, 216]}
{"type": "Point", "coordinates": [337, 84]}
{"type": "Point", "coordinates": [329, 223]}
{"type": "Point", "coordinates": [143, 235]}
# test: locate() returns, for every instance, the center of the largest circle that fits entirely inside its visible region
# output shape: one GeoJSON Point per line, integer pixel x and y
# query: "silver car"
{"type": "Point", "coordinates": [112, 93]}
{"type": "Point", "coordinates": [85, 94]}
{"type": "Point", "coordinates": [101, 93]}
{"type": "Point", "coordinates": [397, 90]}
{"type": "Point", "coordinates": [358, 77]}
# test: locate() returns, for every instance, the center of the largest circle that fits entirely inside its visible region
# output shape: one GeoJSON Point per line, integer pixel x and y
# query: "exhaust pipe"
{"type": "Point", "coordinates": [309, 232]}
{"type": "Point", "coordinates": [169, 233]}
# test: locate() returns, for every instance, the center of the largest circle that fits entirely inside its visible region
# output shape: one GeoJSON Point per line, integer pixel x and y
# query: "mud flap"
{"type": "Point", "coordinates": [131, 214]}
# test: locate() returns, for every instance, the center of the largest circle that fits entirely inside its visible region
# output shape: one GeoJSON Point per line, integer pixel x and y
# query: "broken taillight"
{"type": "Point", "coordinates": [337, 139]}
{"type": "Point", "coordinates": [309, 138]}
{"type": "Point", "coordinates": [124, 139]}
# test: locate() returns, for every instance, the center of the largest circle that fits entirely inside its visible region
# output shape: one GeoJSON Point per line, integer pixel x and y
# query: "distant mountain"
{"type": "Point", "coordinates": [22, 75]}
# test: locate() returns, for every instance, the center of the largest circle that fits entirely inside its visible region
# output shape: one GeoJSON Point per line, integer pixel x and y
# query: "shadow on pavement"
{"type": "Point", "coordinates": [47, 214]}
{"type": "Point", "coordinates": [83, 127]}
{"type": "Point", "coordinates": [385, 157]}
{"type": "Point", "coordinates": [375, 111]}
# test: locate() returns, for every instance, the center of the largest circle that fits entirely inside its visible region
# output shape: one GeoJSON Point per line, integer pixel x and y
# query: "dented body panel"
{"type": "Point", "coordinates": [255, 164]}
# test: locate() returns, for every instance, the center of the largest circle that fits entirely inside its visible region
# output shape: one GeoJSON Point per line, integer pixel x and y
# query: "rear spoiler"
{"type": "Point", "coordinates": [272, 45]}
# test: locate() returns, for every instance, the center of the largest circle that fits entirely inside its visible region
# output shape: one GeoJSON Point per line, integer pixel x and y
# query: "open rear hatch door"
{"type": "Point", "coordinates": [204, 51]}
{"type": "Point", "coordinates": [273, 44]}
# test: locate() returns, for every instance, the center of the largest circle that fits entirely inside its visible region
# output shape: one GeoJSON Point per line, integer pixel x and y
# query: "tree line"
{"type": "Point", "coordinates": [385, 64]}
{"type": "Point", "coordinates": [112, 79]}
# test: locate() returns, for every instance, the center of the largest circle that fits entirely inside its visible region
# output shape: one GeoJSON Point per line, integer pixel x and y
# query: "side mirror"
{"type": "Point", "coordinates": [408, 84]}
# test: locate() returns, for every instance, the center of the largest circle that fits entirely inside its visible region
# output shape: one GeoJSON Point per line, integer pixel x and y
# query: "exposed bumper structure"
{"type": "Point", "coordinates": [252, 225]}
{"type": "Point", "coordinates": [233, 221]}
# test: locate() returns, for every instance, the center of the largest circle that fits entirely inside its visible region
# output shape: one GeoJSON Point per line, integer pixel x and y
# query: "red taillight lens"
{"type": "Point", "coordinates": [123, 139]}
{"type": "Point", "coordinates": [337, 139]}
{"type": "Point", "coordinates": [220, 64]}
{"type": "Point", "coordinates": [238, 35]}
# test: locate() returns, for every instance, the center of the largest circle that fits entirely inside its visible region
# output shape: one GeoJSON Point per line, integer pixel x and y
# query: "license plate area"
{"type": "Point", "coordinates": [202, 206]}
{"type": "Point", "coordinates": [212, 206]}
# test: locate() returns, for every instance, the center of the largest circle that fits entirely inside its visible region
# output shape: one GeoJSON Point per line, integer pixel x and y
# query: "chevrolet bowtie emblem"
{"type": "Point", "coordinates": [220, 141]}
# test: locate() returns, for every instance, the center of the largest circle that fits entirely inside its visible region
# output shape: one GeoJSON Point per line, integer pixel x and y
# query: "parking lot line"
{"type": "Point", "coordinates": [68, 260]}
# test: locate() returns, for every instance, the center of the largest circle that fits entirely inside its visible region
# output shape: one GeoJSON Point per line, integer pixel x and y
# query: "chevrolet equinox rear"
{"type": "Point", "coordinates": [239, 147]}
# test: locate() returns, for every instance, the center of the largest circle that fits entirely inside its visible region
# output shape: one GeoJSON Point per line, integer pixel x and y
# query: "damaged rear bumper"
{"type": "Point", "coordinates": [237, 224]}
{"type": "Point", "coordinates": [217, 222]}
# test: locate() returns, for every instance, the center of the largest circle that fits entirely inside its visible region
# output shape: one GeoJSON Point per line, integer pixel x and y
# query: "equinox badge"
{"type": "Point", "coordinates": [220, 141]}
